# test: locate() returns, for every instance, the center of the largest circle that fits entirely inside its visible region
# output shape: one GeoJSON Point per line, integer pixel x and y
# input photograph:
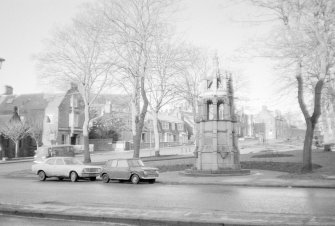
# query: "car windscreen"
{"type": "Point", "coordinates": [72, 161]}
{"type": "Point", "coordinates": [135, 163]}
{"type": "Point", "coordinates": [62, 151]}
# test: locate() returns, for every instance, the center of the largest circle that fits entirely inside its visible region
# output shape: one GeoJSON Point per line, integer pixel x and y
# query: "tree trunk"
{"type": "Point", "coordinates": [36, 142]}
{"type": "Point", "coordinates": [87, 157]}
{"type": "Point", "coordinates": [137, 146]}
{"type": "Point", "coordinates": [17, 149]}
{"type": "Point", "coordinates": [156, 133]}
{"type": "Point", "coordinates": [139, 120]}
{"type": "Point", "coordinates": [311, 121]}
{"type": "Point", "coordinates": [307, 151]}
{"type": "Point", "coordinates": [196, 130]}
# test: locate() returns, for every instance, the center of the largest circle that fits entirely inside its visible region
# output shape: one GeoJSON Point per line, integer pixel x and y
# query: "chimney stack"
{"type": "Point", "coordinates": [6, 90]}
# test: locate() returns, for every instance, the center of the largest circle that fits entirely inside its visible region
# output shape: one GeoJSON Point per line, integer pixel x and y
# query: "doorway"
{"type": "Point", "coordinates": [74, 139]}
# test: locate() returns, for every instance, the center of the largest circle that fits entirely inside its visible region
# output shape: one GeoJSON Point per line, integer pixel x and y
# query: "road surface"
{"type": "Point", "coordinates": [282, 202]}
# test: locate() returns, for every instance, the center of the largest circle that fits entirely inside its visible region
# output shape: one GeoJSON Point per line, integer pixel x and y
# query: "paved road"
{"type": "Point", "coordinates": [314, 203]}
{"type": "Point", "coordinates": [199, 197]}
{"type": "Point", "coordinates": [205, 197]}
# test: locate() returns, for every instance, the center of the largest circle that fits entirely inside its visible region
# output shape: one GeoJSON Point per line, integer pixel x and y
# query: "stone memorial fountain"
{"type": "Point", "coordinates": [218, 152]}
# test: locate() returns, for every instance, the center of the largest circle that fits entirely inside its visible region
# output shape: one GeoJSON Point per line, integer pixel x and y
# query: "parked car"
{"type": "Point", "coordinates": [65, 167]}
{"type": "Point", "coordinates": [128, 169]}
{"type": "Point", "coordinates": [48, 151]}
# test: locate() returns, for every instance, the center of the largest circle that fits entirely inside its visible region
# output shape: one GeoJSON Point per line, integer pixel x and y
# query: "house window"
{"type": "Point", "coordinates": [64, 139]}
{"type": "Point", "coordinates": [73, 120]}
{"type": "Point", "coordinates": [76, 120]}
{"type": "Point", "coordinates": [165, 125]}
{"type": "Point", "coordinates": [173, 125]}
{"type": "Point", "coordinates": [180, 126]}
{"type": "Point", "coordinates": [74, 101]}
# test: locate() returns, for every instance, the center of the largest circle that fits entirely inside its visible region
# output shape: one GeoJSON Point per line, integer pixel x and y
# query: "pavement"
{"type": "Point", "coordinates": [159, 216]}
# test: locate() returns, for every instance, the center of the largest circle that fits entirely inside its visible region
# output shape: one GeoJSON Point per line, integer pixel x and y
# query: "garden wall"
{"type": "Point", "coordinates": [103, 144]}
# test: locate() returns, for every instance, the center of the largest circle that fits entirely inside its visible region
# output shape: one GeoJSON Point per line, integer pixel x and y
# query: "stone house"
{"type": "Point", "coordinates": [265, 124]}
{"type": "Point", "coordinates": [58, 116]}
{"type": "Point", "coordinates": [171, 128]}
{"type": "Point", "coordinates": [64, 118]}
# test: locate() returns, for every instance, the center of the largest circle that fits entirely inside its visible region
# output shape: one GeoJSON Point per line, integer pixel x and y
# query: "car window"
{"type": "Point", "coordinates": [59, 162]}
{"type": "Point", "coordinates": [50, 161]}
{"type": "Point", "coordinates": [122, 163]}
{"type": "Point", "coordinates": [72, 161]}
{"type": "Point", "coordinates": [114, 163]}
{"type": "Point", "coordinates": [109, 163]}
{"type": "Point", "coordinates": [135, 162]}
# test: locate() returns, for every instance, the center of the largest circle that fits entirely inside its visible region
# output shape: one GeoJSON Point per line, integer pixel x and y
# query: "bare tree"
{"type": "Point", "coordinates": [167, 62]}
{"type": "Point", "coordinates": [305, 41]}
{"type": "Point", "coordinates": [35, 124]}
{"type": "Point", "coordinates": [15, 130]}
{"type": "Point", "coordinates": [134, 26]}
{"type": "Point", "coordinates": [78, 54]}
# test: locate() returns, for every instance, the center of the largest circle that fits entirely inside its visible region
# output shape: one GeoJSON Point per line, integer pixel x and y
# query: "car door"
{"type": "Point", "coordinates": [48, 167]}
{"type": "Point", "coordinates": [122, 169]}
{"type": "Point", "coordinates": [108, 167]}
{"type": "Point", "coordinates": [112, 169]}
{"type": "Point", "coordinates": [59, 168]}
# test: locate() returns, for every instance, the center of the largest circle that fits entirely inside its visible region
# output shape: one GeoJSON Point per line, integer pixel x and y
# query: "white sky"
{"type": "Point", "coordinates": [208, 23]}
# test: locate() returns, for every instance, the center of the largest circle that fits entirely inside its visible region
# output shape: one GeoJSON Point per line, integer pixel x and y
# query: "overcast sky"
{"type": "Point", "coordinates": [214, 24]}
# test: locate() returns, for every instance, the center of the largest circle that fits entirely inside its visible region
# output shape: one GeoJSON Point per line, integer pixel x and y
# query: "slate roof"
{"type": "Point", "coordinates": [4, 119]}
{"type": "Point", "coordinates": [38, 101]}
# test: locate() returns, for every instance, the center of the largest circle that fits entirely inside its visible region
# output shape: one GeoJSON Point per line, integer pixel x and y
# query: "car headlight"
{"type": "Point", "coordinates": [145, 173]}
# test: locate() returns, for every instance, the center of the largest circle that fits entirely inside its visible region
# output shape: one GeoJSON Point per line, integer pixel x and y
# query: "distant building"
{"type": "Point", "coordinates": [265, 124]}
{"type": "Point", "coordinates": [60, 116]}
{"type": "Point", "coordinates": [245, 127]}
{"type": "Point", "coordinates": [172, 129]}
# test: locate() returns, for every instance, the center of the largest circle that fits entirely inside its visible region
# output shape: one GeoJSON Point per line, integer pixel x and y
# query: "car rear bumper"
{"type": "Point", "coordinates": [89, 175]}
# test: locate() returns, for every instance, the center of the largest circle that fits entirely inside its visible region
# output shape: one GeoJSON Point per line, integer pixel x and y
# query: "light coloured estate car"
{"type": "Point", "coordinates": [128, 169]}
{"type": "Point", "coordinates": [65, 167]}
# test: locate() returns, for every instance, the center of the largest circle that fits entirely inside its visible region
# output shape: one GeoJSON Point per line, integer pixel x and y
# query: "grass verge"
{"type": "Point", "coordinates": [272, 155]}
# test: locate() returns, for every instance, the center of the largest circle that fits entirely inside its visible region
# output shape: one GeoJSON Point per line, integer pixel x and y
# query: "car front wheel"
{"type": "Point", "coordinates": [41, 175]}
{"type": "Point", "coordinates": [105, 178]}
{"type": "Point", "coordinates": [135, 179]}
{"type": "Point", "coordinates": [73, 176]}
